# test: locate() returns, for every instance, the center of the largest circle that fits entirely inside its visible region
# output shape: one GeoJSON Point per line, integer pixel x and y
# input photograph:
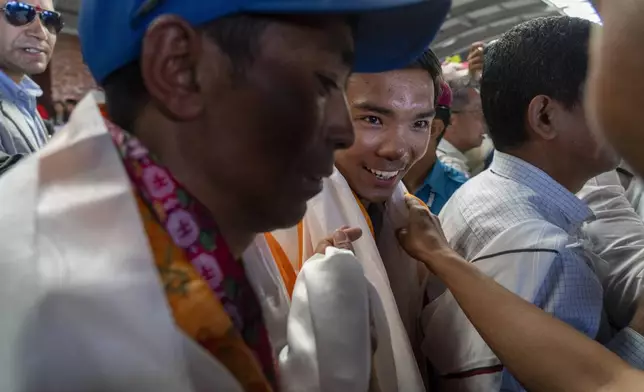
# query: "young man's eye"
{"type": "Point", "coordinates": [372, 120]}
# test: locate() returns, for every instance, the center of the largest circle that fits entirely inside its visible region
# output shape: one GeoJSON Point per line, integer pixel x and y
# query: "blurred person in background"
{"type": "Point", "coordinates": [70, 105]}
{"type": "Point", "coordinates": [28, 32]}
{"type": "Point", "coordinates": [60, 116]}
{"type": "Point", "coordinates": [392, 113]}
{"type": "Point", "coordinates": [478, 158]}
{"type": "Point", "coordinates": [429, 179]}
{"type": "Point", "coordinates": [135, 239]}
{"type": "Point", "coordinates": [467, 127]}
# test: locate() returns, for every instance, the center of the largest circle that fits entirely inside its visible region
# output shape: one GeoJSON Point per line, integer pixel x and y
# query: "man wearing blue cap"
{"type": "Point", "coordinates": [134, 239]}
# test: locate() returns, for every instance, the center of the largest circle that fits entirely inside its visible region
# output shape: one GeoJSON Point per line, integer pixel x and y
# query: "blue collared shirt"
{"type": "Point", "coordinates": [440, 184]}
{"type": "Point", "coordinates": [24, 96]}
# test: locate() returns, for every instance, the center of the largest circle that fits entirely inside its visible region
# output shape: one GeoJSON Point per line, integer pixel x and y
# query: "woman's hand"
{"type": "Point", "coordinates": [342, 238]}
{"type": "Point", "coordinates": [423, 238]}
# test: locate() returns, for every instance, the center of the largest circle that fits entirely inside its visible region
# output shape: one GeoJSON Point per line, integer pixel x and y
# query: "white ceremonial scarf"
{"type": "Point", "coordinates": [398, 279]}
{"type": "Point", "coordinates": [84, 310]}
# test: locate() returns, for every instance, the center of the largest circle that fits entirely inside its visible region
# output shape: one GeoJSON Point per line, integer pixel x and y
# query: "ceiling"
{"type": "Point", "coordinates": [483, 20]}
{"type": "Point", "coordinates": [469, 20]}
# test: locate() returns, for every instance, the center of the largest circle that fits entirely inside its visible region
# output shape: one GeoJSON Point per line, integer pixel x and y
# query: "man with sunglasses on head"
{"type": "Point", "coordinates": [139, 267]}
{"type": "Point", "coordinates": [28, 31]}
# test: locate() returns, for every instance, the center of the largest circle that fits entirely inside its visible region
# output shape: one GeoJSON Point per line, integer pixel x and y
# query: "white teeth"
{"type": "Point", "coordinates": [31, 50]}
{"type": "Point", "coordinates": [383, 175]}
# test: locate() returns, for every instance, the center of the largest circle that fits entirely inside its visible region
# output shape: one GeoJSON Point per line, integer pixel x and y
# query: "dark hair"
{"type": "Point", "coordinates": [444, 114]}
{"type": "Point", "coordinates": [545, 56]}
{"type": "Point", "coordinates": [237, 36]}
{"type": "Point", "coordinates": [430, 63]}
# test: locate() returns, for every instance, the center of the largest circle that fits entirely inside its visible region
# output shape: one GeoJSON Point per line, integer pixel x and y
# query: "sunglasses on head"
{"type": "Point", "coordinates": [20, 14]}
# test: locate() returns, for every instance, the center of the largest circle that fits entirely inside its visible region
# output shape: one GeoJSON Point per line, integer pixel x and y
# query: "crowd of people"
{"type": "Point", "coordinates": [300, 196]}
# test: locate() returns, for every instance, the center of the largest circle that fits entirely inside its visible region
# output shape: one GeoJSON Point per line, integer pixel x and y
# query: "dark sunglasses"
{"type": "Point", "coordinates": [20, 14]}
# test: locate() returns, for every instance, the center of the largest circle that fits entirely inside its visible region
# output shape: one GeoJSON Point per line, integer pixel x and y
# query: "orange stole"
{"type": "Point", "coordinates": [197, 311]}
{"type": "Point", "coordinates": [283, 264]}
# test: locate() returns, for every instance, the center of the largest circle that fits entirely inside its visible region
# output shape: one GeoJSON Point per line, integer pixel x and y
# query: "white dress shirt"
{"type": "Point", "coordinates": [452, 157]}
{"type": "Point", "coordinates": [634, 188]}
{"type": "Point", "coordinates": [617, 236]}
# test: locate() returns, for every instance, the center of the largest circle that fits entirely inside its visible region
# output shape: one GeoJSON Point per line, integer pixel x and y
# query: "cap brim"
{"type": "Point", "coordinates": [393, 38]}
{"type": "Point", "coordinates": [389, 34]}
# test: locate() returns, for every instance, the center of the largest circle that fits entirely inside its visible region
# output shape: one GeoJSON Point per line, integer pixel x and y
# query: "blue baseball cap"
{"type": "Point", "coordinates": [389, 34]}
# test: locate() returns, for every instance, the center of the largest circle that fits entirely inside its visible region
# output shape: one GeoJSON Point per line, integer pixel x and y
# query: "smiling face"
{"type": "Point", "coordinates": [392, 114]}
{"type": "Point", "coordinates": [26, 49]}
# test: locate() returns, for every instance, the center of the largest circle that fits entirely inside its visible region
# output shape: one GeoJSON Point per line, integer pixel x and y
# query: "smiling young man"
{"type": "Point", "coordinates": [28, 31]}
{"type": "Point", "coordinates": [392, 113]}
{"type": "Point", "coordinates": [134, 238]}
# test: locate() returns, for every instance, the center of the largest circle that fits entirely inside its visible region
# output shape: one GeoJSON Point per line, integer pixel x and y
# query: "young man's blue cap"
{"type": "Point", "coordinates": [389, 34]}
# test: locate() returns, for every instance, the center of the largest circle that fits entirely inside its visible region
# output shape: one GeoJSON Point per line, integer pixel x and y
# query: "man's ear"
{"type": "Point", "coordinates": [169, 61]}
{"type": "Point", "coordinates": [540, 117]}
{"type": "Point", "coordinates": [438, 129]}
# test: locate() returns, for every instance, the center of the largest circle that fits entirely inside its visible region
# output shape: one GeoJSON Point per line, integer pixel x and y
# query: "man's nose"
{"type": "Point", "coordinates": [393, 147]}
{"type": "Point", "coordinates": [37, 29]}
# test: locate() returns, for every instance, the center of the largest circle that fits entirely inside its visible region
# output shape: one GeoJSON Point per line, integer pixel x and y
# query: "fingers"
{"type": "Point", "coordinates": [476, 48]}
{"type": "Point", "coordinates": [418, 212]}
{"type": "Point", "coordinates": [342, 238]}
{"type": "Point", "coordinates": [413, 201]}
{"type": "Point", "coordinates": [475, 62]}
{"type": "Point", "coordinates": [475, 57]}
{"type": "Point", "coordinates": [476, 45]}
{"type": "Point", "coordinates": [354, 233]}
{"type": "Point", "coordinates": [321, 248]}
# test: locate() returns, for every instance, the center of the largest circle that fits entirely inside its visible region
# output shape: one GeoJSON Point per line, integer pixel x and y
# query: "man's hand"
{"type": "Point", "coordinates": [475, 59]}
{"type": "Point", "coordinates": [342, 238]}
{"type": "Point", "coordinates": [423, 238]}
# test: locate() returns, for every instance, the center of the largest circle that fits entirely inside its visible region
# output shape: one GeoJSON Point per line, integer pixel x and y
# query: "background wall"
{"type": "Point", "coordinates": [70, 78]}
